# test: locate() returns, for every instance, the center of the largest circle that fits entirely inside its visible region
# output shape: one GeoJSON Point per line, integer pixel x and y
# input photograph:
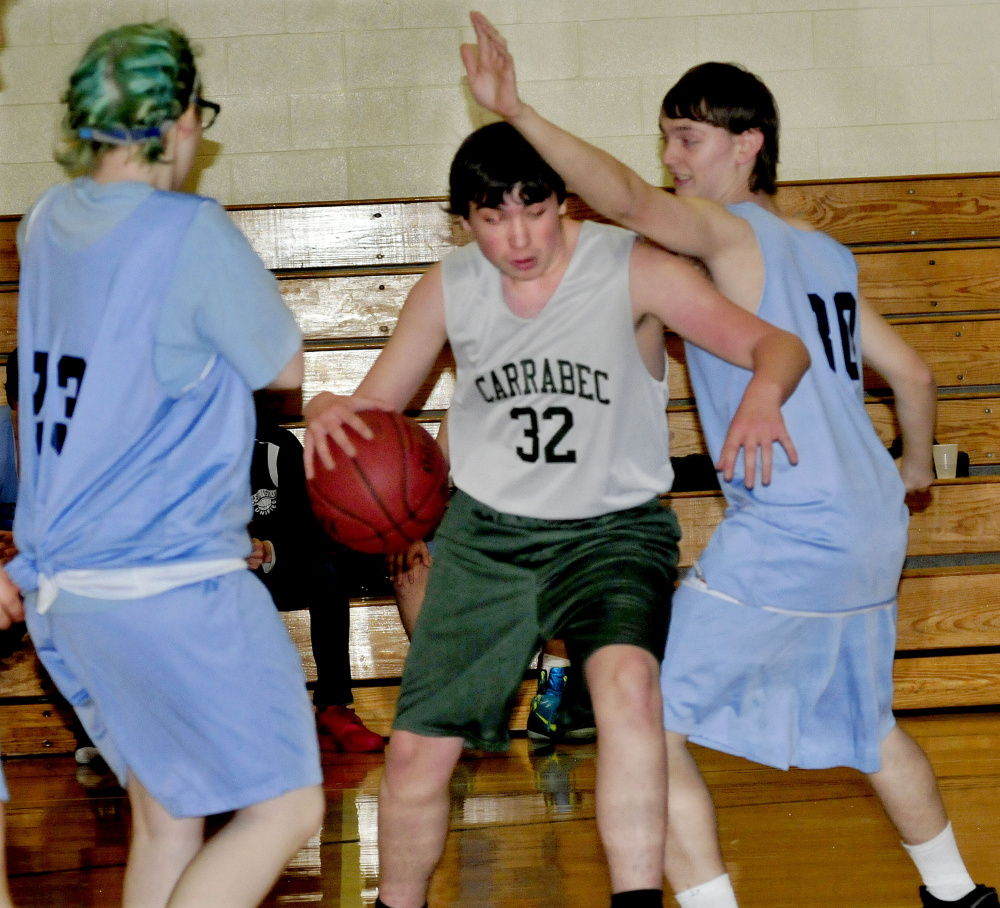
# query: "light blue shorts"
{"type": "Point", "coordinates": [780, 689]}
{"type": "Point", "coordinates": [198, 692]}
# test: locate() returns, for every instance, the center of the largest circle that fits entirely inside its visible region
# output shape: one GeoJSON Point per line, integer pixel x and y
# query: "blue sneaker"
{"type": "Point", "coordinates": [542, 715]}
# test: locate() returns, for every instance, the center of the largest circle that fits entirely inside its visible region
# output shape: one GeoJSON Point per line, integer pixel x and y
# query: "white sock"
{"type": "Point", "coordinates": [941, 866]}
{"type": "Point", "coordinates": [550, 661]}
{"type": "Point", "coordinates": [717, 893]}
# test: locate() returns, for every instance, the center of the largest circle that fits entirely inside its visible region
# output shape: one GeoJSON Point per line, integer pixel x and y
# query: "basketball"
{"type": "Point", "coordinates": [393, 493]}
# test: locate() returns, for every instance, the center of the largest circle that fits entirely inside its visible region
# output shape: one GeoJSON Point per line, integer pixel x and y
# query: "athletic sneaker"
{"type": "Point", "coordinates": [542, 716]}
{"type": "Point", "coordinates": [86, 753]}
{"type": "Point", "coordinates": [576, 718]}
{"type": "Point", "coordinates": [980, 897]}
{"type": "Point", "coordinates": [347, 732]}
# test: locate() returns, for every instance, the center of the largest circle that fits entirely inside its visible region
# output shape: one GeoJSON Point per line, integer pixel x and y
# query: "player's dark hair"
{"type": "Point", "coordinates": [11, 382]}
{"type": "Point", "coordinates": [727, 95]}
{"type": "Point", "coordinates": [497, 160]}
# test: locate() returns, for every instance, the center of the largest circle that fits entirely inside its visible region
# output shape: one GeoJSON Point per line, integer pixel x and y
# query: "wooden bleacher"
{"type": "Point", "coordinates": [928, 249]}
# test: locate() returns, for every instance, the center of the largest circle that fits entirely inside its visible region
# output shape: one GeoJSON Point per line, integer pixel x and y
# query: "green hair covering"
{"type": "Point", "coordinates": [131, 86]}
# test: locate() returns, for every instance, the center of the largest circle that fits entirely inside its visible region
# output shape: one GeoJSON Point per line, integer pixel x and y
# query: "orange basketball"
{"type": "Point", "coordinates": [392, 493]}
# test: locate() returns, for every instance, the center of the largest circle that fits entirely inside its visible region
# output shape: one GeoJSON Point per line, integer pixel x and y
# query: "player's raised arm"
{"type": "Point", "coordinates": [680, 296]}
{"type": "Point", "coordinates": [393, 379]}
{"type": "Point", "coordinates": [692, 226]}
{"type": "Point", "coordinates": [913, 389]}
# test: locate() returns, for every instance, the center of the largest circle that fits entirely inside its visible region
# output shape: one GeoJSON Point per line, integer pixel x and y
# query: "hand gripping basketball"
{"type": "Point", "coordinates": [391, 494]}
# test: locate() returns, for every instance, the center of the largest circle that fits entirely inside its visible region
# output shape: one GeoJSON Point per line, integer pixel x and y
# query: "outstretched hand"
{"type": "Point", "coordinates": [11, 605]}
{"type": "Point", "coordinates": [490, 69]}
{"type": "Point", "coordinates": [756, 426]}
{"type": "Point", "coordinates": [326, 416]}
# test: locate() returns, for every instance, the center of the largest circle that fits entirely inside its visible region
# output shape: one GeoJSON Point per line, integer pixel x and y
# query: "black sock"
{"type": "Point", "coordinates": [380, 904]}
{"type": "Point", "coordinates": [638, 898]}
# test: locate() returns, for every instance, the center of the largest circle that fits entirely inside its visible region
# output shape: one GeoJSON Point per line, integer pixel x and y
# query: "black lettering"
{"type": "Point", "coordinates": [551, 454]}
{"type": "Point", "coordinates": [530, 432]}
{"type": "Point", "coordinates": [847, 313]}
{"type": "Point", "coordinates": [823, 323]}
{"type": "Point", "coordinates": [71, 369]}
{"type": "Point", "coordinates": [566, 383]}
{"type": "Point", "coordinates": [497, 387]}
{"type": "Point", "coordinates": [510, 370]}
{"type": "Point", "coordinates": [528, 376]}
{"type": "Point", "coordinates": [598, 374]}
{"type": "Point", "coordinates": [581, 381]}
{"type": "Point", "coordinates": [548, 382]}
{"type": "Point", "coordinates": [479, 387]}
{"type": "Point", "coordinates": [41, 370]}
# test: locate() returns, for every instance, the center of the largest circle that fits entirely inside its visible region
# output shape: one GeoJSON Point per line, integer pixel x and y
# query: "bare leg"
{"type": "Point", "coordinates": [631, 764]}
{"type": "Point", "coordinates": [908, 790]}
{"type": "Point", "coordinates": [238, 866]}
{"type": "Point", "coordinates": [692, 855]}
{"type": "Point", "coordinates": [170, 865]}
{"type": "Point", "coordinates": [160, 849]}
{"type": "Point", "coordinates": [413, 807]}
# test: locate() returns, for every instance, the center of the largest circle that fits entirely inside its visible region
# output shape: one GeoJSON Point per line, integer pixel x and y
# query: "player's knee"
{"type": "Point", "coordinates": [631, 683]}
{"type": "Point", "coordinates": [312, 809]}
{"type": "Point", "coordinates": [299, 813]}
{"type": "Point", "coordinates": [416, 763]}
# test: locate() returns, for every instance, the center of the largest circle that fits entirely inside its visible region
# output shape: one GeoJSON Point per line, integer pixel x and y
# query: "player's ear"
{"type": "Point", "coordinates": [748, 145]}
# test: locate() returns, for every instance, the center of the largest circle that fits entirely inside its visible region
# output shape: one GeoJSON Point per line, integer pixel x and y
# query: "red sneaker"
{"type": "Point", "coordinates": [347, 731]}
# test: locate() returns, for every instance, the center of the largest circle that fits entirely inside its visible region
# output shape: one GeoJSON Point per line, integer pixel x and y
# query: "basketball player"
{"type": "Point", "coordinates": [144, 320]}
{"type": "Point", "coordinates": [558, 447]}
{"type": "Point", "coordinates": [782, 637]}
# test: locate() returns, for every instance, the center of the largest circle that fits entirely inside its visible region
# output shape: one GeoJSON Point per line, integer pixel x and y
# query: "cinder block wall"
{"type": "Point", "coordinates": [353, 99]}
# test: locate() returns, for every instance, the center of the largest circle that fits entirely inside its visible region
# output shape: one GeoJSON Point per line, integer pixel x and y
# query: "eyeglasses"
{"type": "Point", "coordinates": [207, 111]}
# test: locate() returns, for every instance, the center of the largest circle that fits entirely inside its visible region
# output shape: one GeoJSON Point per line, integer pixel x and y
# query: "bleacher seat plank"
{"type": "Point", "coordinates": [950, 607]}
{"type": "Point", "coordinates": [931, 281]}
{"type": "Point", "coordinates": [347, 306]}
{"type": "Point", "coordinates": [961, 352]}
{"type": "Point", "coordinates": [941, 682]}
{"type": "Point", "coordinates": [898, 209]}
{"type": "Point", "coordinates": [962, 517]}
{"type": "Point", "coordinates": [970, 422]}
{"type": "Point", "coordinates": [9, 267]}
{"type": "Point", "coordinates": [341, 370]}
{"type": "Point", "coordinates": [8, 319]}
{"type": "Point", "coordinates": [349, 234]}
{"type": "Point", "coordinates": [34, 728]}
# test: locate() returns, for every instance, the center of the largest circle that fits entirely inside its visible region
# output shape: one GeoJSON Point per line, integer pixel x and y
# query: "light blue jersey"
{"type": "Point", "coordinates": [828, 535]}
{"type": "Point", "coordinates": [144, 321]}
{"type": "Point", "coordinates": [117, 470]}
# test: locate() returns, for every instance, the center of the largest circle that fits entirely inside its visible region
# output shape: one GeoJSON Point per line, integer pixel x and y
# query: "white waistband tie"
{"type": "Point", "coordinates": [131, 583]}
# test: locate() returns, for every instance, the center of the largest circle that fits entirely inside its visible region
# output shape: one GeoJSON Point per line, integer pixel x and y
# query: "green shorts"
{"type": "Point", "coordinates": [502, 585]}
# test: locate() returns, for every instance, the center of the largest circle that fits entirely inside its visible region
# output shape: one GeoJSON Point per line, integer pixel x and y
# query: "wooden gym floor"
{"type": "Point", "coordinates": [523, 831]}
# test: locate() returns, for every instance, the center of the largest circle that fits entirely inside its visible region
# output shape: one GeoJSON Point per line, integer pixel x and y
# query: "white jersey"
{"type": "Point", "coordinates": [556, 416]}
